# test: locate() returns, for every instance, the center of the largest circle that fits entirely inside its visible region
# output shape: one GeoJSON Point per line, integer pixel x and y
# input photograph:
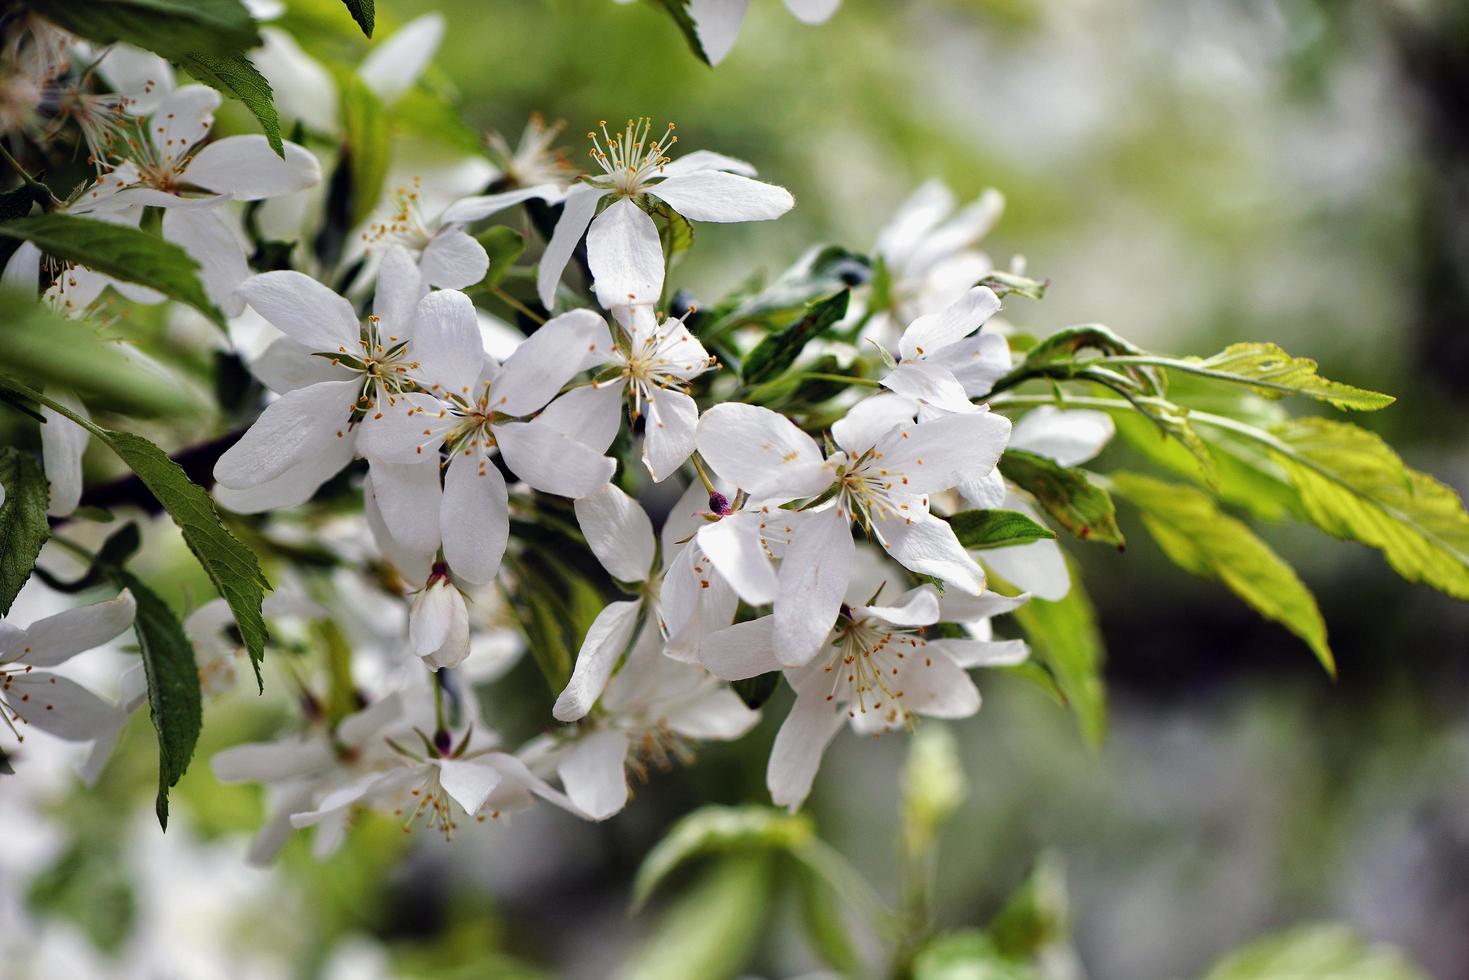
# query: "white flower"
{"type": "Point", "coordinates": [881, 477]}
{"type": "Point", "coordinates": [622, 246]}
{"type": "Point", "coordinates": [217, 647]}
{"type": "Point", "coordinates": [877, 669]}
{"type": "Point", "coordinates": [944, 362]}
{"type": "Point", "coordinates": [535, 159]}
{"type": "Point", "coordinates": [32, 695]}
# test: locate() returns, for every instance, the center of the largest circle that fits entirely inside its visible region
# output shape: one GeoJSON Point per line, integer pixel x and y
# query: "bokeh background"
{"type": "Point", "coordinates": [1189, 172]}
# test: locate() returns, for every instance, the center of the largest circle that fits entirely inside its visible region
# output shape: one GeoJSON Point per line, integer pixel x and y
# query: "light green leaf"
{"type": "Point", "coordinates": [236, 76]}
{"type": "Point", "coordinates": [174, 699]}
{"type": "Point", "coordinates": [172, 28]}
{"type": "Point", "coordinates": [718, 829]}
{"type": "Point", "coordinates": [933, 787]}
{"type": "Point", "coordinates": [826, 927]}
{"type": "Point", "coordinates": [1203, 540]}
{"type": "Point", "coordinates": [364, 12]}
{"type": "Point", "coordinates": [23, 525]}
{"type": "Point", "coordinates": [1065, 640]}
{"type": "Point", "coordinates": [504, 245]}
{"type": "Point", "coordinates": [368, 147]}
{"type": "Point", "coordinates": [1318, 952]}
{"type": "Point", "coordinates": [711, 931]}
{"type": "Point", "coordinates": [967, 954]}
{"type": "Point", "coordinates": [980, 529]}
{"type": "Point", "coordinates": [779, 350]}
{"type": "Point", "coordinates": [678, 232]}
{"type": "Point", "coordinates": [119, 251]}
{"type": "Point", "coordinates": [1353, 486]}
{"type": "Point", "coordinates": [1271, 372]}
{"type": "Point", "coordinates": [1082, 507]}
{"type": "Point", "coordinates": [1036, 917]}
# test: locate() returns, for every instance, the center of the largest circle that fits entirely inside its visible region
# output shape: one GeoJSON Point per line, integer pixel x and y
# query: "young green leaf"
{"type": "Point", "coordinates": [173, 28]}
{"type": "Point", "coordinates": [1065, 640]}
{"type": "Point", "coordinates": [364, 12]}
{"type": "Point", "coordinates": [23, 525]}
{"type": "Point", "coordinates": [120, 251]}
{"type": "Point", "coordinates": [826, 928]}
{"type": "Point", "coordinates": [1201, 539]}
{"type": "Point", "coordinates": [1353, 486]}
{"type": "Point", "coordinates": [712, 929]}
{"type": "Point", "coordinates": [1036, 917]}
{"type": "Point", "coordinates": [236, 76]}
{"type": "Point", "coordinates": [367, 147]}
{"type": "Point", "coordinates": [1082, 507]}
{"type": "Point", "coordinates": [967, 954]}
{"type": "Point", "coordinates": [980, 529]}
{"type": "Point", "coordinates": [174, 699]}
{"type": "Point", "coordinates": [718, 829]}
{"type": "Point", "coordinates": [1271, 372]}
{"type": "Point", "coordinates": [779, 350]}
{"type": "Point", "coordinates": [1321, 952]}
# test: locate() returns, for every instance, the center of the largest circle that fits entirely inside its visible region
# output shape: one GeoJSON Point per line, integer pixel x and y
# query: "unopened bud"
{"type": "Point", "coordinates": [719, 504]}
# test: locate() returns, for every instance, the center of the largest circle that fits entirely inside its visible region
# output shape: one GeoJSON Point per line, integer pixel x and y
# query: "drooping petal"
{"type": "Point", "coordinates": [547, 359]}
{"type": "Point", "coordinates": [301, 424]}
{"type": "Point", "coordinates": [742, 650]}
{"type": "Point", "coordinates": [58, 638]}
{"type": "Point", "coordinates": [813, 582]}
{"type": "Point", "coordinates": [934, 685]}
{"type": "Point", "coordinates": [625, 256]}
{"type": "Point", "coordinates": [929, 334]}
{"type": "Point", "coordinates": [408, 498]}
{"type": "Point", "coordinates": [468, 783]}
{"type": "Point", "coordinates": [927, 545]}
{"type": "Point", "coordinates": [576, 213]}
{"type": "Point", "coordinates": [1069, 436]}
{"type": "Point", "coordinates": [304, 310]}
{"type": "Point", "coordinates": [62, 444]}
{"type": "Point", "coordinates": [551, 461]}
{"type": "Point", "coordinates": [476, 518]}
{"type": "Point", "coordinates": [1039, 567]}
{"type": "Point", "coordinates": [593, 773]}
{"type": "Point", "coordinates": [986, 492]}
{"type": "Point", "coordinates": [716, 195]}
{"type": "Point", "coordinates": [247, 169]}
{"type": "Point", "coordinates": [761, 451]}
{"type": "Point", "coordinates": [604, 643]}
{"type": "Point", "coordinates": [59, 706]}
{"type": "Point", "coordinates": [944, 452]}
{"type": "Point", "coordinates": [400, 287]}
{"type": "Point", "coordinates": [446, 343]}
{"type": "Point", "coordinates": [453, 260]}
{"type": "Point", "coordinates": [23, 270]}
{"type": "Point", "coordinates": [976, 362]}
{"type": "Point", "coordinates": [210, 242]}
{"type": "Point", "coordinates": [733, 545]}
{"type": "Point", "coordinates": [668, 438]}
{"type": "Point", "coordinates": [959, 608]}
{"type": "Point", "coordinates": [717, 23]}
{"type": "Point", "coordinates": [591, 414]}
{"type": "Point", "coordinates": [391, 67]}
{"type": "Point", "coordinates": [619, 533]}
{"type": "Point", "coordinates": [467, 210]}
{"type": "Point", "coordinates": [796, 754]}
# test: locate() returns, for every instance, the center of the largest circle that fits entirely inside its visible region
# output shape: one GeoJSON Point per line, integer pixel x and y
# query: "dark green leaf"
{"type": "Point", "coordinates": [236, 76]}
{"type": "Point", "coordinates": [363, 12]}
{"type": "Point", "coordinates": [172, 28]}
{"type": "Point", "coordinates": [678, 12]}
{"type": "Point", "coordinates": [174, 700]}
{"type": "Point", "coordinates": [779, 350]}
{"type": "Point", "coordinates": [120, 251]}
{"type": "Point", "coordinates": [996, 528]}
{"type": "Point", "coordinates": [755, 691]}
{"type": "Point", "coordinates": [1082, 507]}
{"type": "Point", "coordinates": [504, 245]}
{"type": "Point", "coordinates": [367, 148]}
{"type": "Point", "coordinates": [819, 273]}
{"type": "Point", "coordinates": [23, 525]}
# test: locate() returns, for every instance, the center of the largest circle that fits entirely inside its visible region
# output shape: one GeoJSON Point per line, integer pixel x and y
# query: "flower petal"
{"type": "Point", "coordinates": [930, 384]}
{"type": "Point", "coordinates": [742, 650]}
{"type": "Point", "coordinates": [476, 518]}
{"type": "Point", "coordinates": [547, 359]}
{"type": "Point", "coordinates": [58, 638]}
{"type": "Point", "coordinates": [400, 288]}
{"type": "Point", "coordinates": [591, 414]}
{"type": "Point", "coordinates": [294, 428]}
{"type": "Point", "coordinates": [183, 119]}
{"type": "Point", "coordinates": [467, 782]}
{"type": "Point", "coordinates": [944, 452]}
{"type": "Point", "coordinates": [706, 160]}
{"type": "Point", "coordinates": [719, 715]}
{"type": "Point", "coordinates": [813, 11]}
{"type": "Point", "coordinates": [715, 195]}
{"type": "Point", "coordinates": [668, 438]}
{"type": "Point", "coordinates": [407, 431]}
{"type": "Point", "coordinates": [733, 545]}
{"type": "Point", "coordinates": [408, 497]}
{"type": "Point", "coordinates": [392, 66]}
{"type": "Point", "coordinates": [813, 582]}
{"type": "Point", "coordinates": [871, 419]}
{"type": "Point", "coordinates": [983, 653]}
{"type": "Point", "coordinates": [551, 461]}
{"type": "Point", "coordinates": [927, 545]}
{"type": "Point", "coordinates": [213, 244]}
{"type": "Point", "coordinates": [1069, 436]}
{"type": "Point", "coordinates": [62, 444]}
{"type": "Point", "coordinates": [269, 762]}
{"type": "Point", "coordinates": [761, 451]}
{"type": "Point", "coordinates": [625, 256]}
{"type": "Point", "coordinates": [796, 754]}
{"type": "Point", "coordinates": [59, 706]}
{"type": "Point", "coordinates": [603, 645]}
{"type": "Point", "coordinates": [576, 213]}
{"type": "Point", "coordinates": [304, 310]}
{"type": "Point", "coordinates": [717, 24]}
{"type": "Point", "coordinates": [619, 533]}
{"type": "Point", "coordinates": [295, 486]}
{"type": "Point", "coordinates": [917, 607]}
{"type": "Point", "coordinates": [959, 319]}
{"type": "Point", "coordinates": [447, 344]}
{"type": "Point", "coordinates": [247, 169]}
{"type": "Point", "coordinates": [593, 773]}
{"type": "Point", "coordinates": [453, 260]}
{"type": "Point", "coordinates": [470, 209]}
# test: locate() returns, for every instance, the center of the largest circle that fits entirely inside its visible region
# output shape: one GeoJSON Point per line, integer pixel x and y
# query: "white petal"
{"type": "Point", "coordinates": [23, 271]}
{"type": "Point", "coordinates": [302, 88]}
{"type": "Point", "coordinates": [546, 360]}
{"type": "Point", "coordinates": [967, 226]}
{"type": "Point", "coordinates": [936, 686]}
{"type": "Point", "coordinates": [144, 77]}
{"type": "Point", "coordinates": [668, 438]}
{"type": "Point", "coordinates": [871, 419]}
{"type": "Point", "coordinates": [733, 545]}
{"type": "Point", "coordinates": [470, 209]}
{"type": "Point", "coordinates": [929, 384]}
{"type": "Point", "coordinates": [432, 617]}
{"type": "Point", "coordinates": [742, 650]}
{"type": "Point", "coordinates": [761, 451]}
{"type": "Point", "coordinates": [576, 213]}
{"type": "Point", "coordinates": [1039, 568]}
{"type": "Point", "coordinates": [453, 260]}
{"type": "Point", "coordinates": [717, 23]}
{"type": "Point", "coordinates": [360, 726]}
{"type": "Point", "coordinates": [813, 11]}
{"type": "Point", "coordinates": [695, 602]}
{"type": "Point", "coordinates": [446, 343]}
{"type": "Point", "coordinates": [959, 608]}
{"type": "Point", "coordinates": [930, 333]}
{"type": "Point", "coordinates": [247, 169]}
{"type": "Point", "coordinates": [625, 256]}
{"type": "Point", "coordinates": [592, 773]}
{"type": "Point", "coordinates": [619, 533]}
{"type": "Point", "coordinates": [408, 498]}
{"type": "Point", "coordinates": [475, 517]}
{"type": "Point", "coordinates": [469, 783]}
{"type": "Point", "coordinates": [551, 461]}
{"type": "Point", "coordinates": [400, 288]}
{"type": "Point", "coordinates": [976, 362]}
{"type": "Point", "coordinates": [927, 545]}
{"type": "Point", "coordinates": [295, 486]}
{"type": "Point", "coordinates": [986, 492]}
{"type": "Point", "coordinates": [62, 444]}
{"type": "Point", "coordinates": [914, 219]}
{"type": "Point", "coordinates": [60, 637]}
{"type": "Point", "coordinates": [407, 431]}
{"type": "Point", "coordinates": [918, 607]}
{"type": "Point", "coordinates": [391, 67]}
{"type": "Point", "coordinates": [183, 119]}
{"type": "Point", "coordinates": [719, 715]}
{"type": "Point", "coordinates": [286, 365]}
{"type": "Point", "coordinates": [944, 452]}
{"type": "Point", "coordinates": [813, 582]}
{"type": "Point", "coordinates": [269, 762]}
{"type": "Point", "coordinates": [295, 427]}
{"type": "Point", "coordinates": [604, 643]}
{"type": "Point", "coordinates": [706, 160]}
{"type": "Point", "coordinates": [715, 195]}
{"type": "Point", "coordinates": [305, 310]}
{"type": "Point", "coordinates": [591, 414]}
{"type": "Point", "coordinates": [796, 754]}
{"type": "Point", "coordinates": [413, 565]}
{"type": "Point", "coordinates": [211, 243]}
{"type": "Point", "coordinates": [1070, 436]}
{"type": "Point", "coordinates": [59, 706]}
{"type": "Point", "coordinates": [983, 653]}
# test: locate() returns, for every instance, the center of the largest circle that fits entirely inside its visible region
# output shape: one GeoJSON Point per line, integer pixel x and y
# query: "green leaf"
{"type": "Point", "coordinates": [1065, 640]}
{"type": "Point", "coordinates": [981, 529]}
{"type": "Point", "coordinates": [934, 786]}
{"type": "Point", "coordinates": [818, 273]}
{"type": "Point", "coordinates": [236, 76]}
{"type": "Point", "coordinates": [504, 245]}
{"type": "Point", "coordinates": [1353, 486]}
{"type": "Point", "coordinates": [1271, 372]}
{"type": "Point", "coordinates": [678, 12]}
{"type": "Point", "coordinates": [1079, 505]}
{"type": "Point", "coordinates": [779, 350]}
{"type": "Point", "coordinates": [120, 251]}
{"type": "Point", "coordinates": [23, 525]}
{"type": "Point", "coordinates": [755, 691]}
{"type": "Point", "coordinates": [1036, 917]}
{"type": "Point", "coordinates": [1203, 540]}
{"type": "Point", "coordinates": [967, 954]}
{"type": "Point", "coordinates": [678, 232]}
{"type": "Point", "coordinates": [231, 566]}
{"type": "Point", "coordinates": [368, 147]}
{"type": "Point", "coordinates": [718, 829]}
{"type": "Point", "coordinates": [1318, 952]}
{"type": "Point", "coordinates": [172, 28]}
{"type": "Point", "coordinates": [88, 885]}
{"type": "Point", "coordinates": [1004, 283]}
{"type": "Point", "coordinates": [711, 930]}
{"type": "Point", "coordinates": [174, 699]}
{"type": "Point", "coordinates": [826, 927]}
{"type": "Point", "coordinates": [364, 12]}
